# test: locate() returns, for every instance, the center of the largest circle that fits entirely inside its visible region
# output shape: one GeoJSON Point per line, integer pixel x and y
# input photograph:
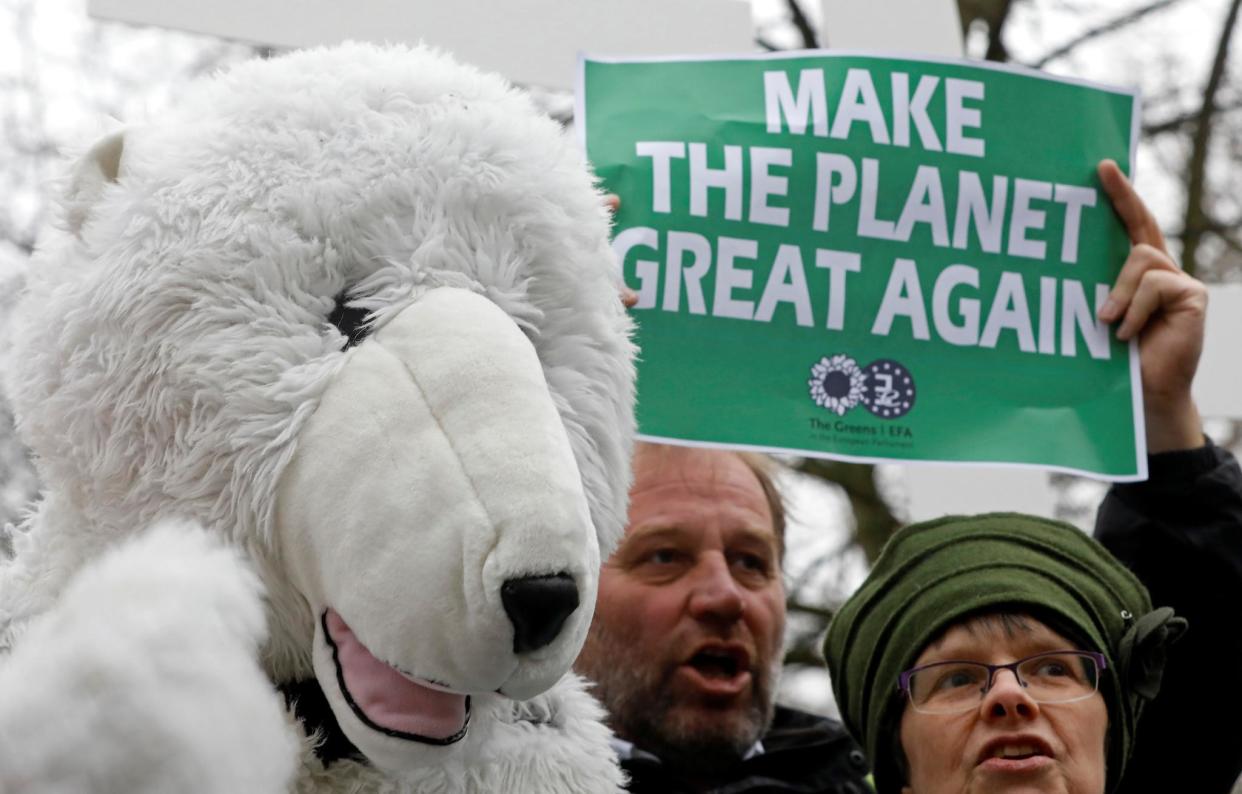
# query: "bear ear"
{"type": "Point", "coordinates": [98, 167]}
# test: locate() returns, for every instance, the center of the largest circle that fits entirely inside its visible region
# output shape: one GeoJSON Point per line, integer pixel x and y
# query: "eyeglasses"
{"type": "Point", "coordinates": [955, 686]}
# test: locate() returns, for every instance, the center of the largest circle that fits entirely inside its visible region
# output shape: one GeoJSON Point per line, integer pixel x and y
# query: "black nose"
{"type": "Point", "coordinates": [538, 607]}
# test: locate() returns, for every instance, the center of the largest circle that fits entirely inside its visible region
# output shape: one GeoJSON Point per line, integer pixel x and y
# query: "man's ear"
{"type": "Point", "coordinates": [100, 166]}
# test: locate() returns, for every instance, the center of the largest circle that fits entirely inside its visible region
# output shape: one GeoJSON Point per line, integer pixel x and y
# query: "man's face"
{"type": "Point", "coordinates": [685, 644]}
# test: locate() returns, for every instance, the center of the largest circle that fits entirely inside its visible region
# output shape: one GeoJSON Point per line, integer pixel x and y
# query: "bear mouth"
{"type": "Point", "coordinates": [386, 699]}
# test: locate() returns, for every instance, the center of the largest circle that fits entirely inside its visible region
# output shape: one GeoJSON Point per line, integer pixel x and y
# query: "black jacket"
{"type": "Point", "coordinates": [1181, 534]}
{"type": "Point", "coordinates": [803, 754]}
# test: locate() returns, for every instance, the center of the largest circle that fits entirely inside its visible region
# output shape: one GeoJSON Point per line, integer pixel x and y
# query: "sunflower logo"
{"type": "Point", "coordinates": [837, 384]}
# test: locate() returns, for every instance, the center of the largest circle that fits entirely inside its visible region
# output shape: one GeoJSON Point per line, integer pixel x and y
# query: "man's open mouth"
{"type": "Point", "coordinates": [718, 663]}
{"type": "Point", "coordinates": [721, 668]}
{"type": "Point", "coordinates": [386, 699]}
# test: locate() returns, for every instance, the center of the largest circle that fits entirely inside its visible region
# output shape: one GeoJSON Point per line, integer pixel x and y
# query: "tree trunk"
{"type": "Point", "coordinates": [1196, 170]}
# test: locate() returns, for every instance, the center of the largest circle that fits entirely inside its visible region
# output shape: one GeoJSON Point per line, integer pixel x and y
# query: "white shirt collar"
{"type": "Point", "coordinates": [626, 750]}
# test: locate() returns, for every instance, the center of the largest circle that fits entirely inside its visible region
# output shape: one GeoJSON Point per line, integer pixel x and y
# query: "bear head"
{"type": "Point", "coordinates": [353, 309]}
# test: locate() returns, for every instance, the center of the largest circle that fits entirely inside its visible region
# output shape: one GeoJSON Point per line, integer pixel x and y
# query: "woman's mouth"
{"type": "Point", "coordinates": [1015, 755]}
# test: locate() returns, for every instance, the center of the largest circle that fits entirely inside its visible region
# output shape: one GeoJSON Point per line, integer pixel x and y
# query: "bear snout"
{"type": "Point", "coordinates": [538, 607]}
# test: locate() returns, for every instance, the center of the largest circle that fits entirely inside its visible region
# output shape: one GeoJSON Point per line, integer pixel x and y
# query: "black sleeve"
{"type": "Point", "coordinates": [1181, 534]}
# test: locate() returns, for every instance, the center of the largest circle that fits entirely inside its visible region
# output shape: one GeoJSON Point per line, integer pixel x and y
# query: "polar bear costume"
{"type": "Point", "coordinates": [330, 388]}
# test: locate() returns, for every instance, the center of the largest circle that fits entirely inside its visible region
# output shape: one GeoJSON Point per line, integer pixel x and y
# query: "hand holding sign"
{"type": "Point", "coordinates": [1155, 300]}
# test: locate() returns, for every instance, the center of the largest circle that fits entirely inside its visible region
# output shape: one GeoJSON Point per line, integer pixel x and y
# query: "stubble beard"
{"type": "Point", "coordinates": [646, 708]}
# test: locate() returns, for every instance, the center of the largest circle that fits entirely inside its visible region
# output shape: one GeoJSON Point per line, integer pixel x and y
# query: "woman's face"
{"type": "Point", "coordinates": [1053, 748]}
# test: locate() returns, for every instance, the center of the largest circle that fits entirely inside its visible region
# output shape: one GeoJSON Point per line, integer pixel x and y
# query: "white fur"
{"type": "Point", "coordinates": [144, 679]}
{"type": "Point", "coordinates": [17, 483]}
{"type": "Point", "coordinates": [173, 358]}
{"type": "Point", "coordinates": [539, 746]}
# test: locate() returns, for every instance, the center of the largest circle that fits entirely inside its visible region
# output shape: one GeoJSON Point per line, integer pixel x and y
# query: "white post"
{"type": "Point", "coordinates": [914, 27]}
{"type": "Point", "coordinates": [534, 42]}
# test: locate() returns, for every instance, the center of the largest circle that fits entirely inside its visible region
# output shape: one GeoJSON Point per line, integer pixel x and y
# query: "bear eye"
{"type": "Point", "coordinates": [350, 321]}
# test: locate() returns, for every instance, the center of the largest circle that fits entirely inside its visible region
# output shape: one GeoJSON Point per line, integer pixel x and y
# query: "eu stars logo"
{"type": "Point", "coordinates": [884, 387]}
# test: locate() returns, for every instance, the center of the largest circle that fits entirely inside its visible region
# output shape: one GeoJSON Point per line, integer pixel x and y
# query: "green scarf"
{"type": "Point", "coordinates": [935, 574]}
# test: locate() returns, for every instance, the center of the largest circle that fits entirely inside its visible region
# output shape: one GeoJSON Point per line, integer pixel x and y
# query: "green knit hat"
{"type": "Point", "coordinates": [934, 574]}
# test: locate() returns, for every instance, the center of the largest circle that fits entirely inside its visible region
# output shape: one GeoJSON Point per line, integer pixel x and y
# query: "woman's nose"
{"type": "Point", "coordinates": [1007, 697]}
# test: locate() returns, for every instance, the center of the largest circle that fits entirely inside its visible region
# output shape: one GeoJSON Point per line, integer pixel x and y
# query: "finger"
{"type": "Point", "coordinates": [612, 201]}
{"type": "Point", "coordinates": [1140, 224]}
{"type": "Point", "coordinates": [629, 298]}
{"type": "Point", "coordinates": [1160, 290]}
{"type": "Point", "coordinates": [1143, 258]}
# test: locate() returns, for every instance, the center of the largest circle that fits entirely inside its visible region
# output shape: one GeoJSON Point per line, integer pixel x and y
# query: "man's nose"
{"type": "Point", "coordinates": [716, 595]}
{"type": "Point", "coordinates": [1008, 698]}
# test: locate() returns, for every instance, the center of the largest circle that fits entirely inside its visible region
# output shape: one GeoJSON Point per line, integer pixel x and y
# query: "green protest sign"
{"type": "Point", "coordinates": [871, 258]}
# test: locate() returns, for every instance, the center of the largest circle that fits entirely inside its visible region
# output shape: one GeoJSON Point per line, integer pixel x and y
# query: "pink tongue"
{"type": "Point", "coordinates": [388, 699]}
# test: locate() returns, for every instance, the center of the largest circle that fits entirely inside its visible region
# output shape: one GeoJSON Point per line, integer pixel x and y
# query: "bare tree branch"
{"type": "Point", "coordinates": [767, 45]}
{"type": "Point", "coordinates": [1178, 122]}
{"type": "Point", "coordinates": [811, 569]}
{"type": "Point", "coordinates": [1196, 170]}
{"type": "Point", "coordinates": [1116, 23]}
{"type": "Point", "coordinates": [802, 24]}
{"type": "Point", "coordinates": [874, 519]}
{"type": "Point", "coordinates": [818, 610]}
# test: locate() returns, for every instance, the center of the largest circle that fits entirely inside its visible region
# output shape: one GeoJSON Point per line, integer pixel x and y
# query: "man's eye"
{"type": "Point", "coordinates": [662, 556]}
{"type": "Point", "coordinates": [754, 563]}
